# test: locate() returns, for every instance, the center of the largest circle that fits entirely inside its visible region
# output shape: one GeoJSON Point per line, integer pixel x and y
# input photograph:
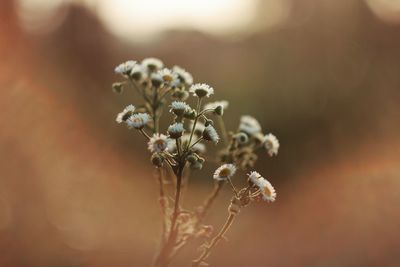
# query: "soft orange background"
{"type": "Point", "coordinates": [78, 190]}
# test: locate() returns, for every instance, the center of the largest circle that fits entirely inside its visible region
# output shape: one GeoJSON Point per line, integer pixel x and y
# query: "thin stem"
{"type": "Point", "coordinates": [163, 204]}
{"type": "Point", "coordinates": [198, 140]}
{"type": "Point", "coordinates": [207, 250]}
{"type": "Point", "coordinates": [144, 133]}
{"type": "Point", "coordinates": [164, 255]}
{"type": "Point", "coordinates": [233, 187]}
{"type": "Point", "coordinates": [194, 123]}
{"type": "Point", "coordinates": [178, 147]}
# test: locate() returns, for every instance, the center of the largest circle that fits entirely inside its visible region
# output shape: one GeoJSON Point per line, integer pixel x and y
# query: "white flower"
{"type": "Point", "coordinates": [267, 190]}
{"type": "Point", "coordinates": [138, 120]}
{"type": "Point", "coordinates": [137, 72]}
{"type": "Point", "coordinates": [249, 125]}
{"type": "Point", "coordinates": [183, 75]}
{"type": "Point", "coordinates": [125, 68]}
{"type": "Point", "coordinates": [224, 172]}
{"type": "Point", "coordinates": [179, 107]}
{"type": "Point", "coordinates": [158, 143]}
{"type": "Point", "coordinates": [255, 177]}
{"type": "Point", "coordinates": [176, 130]}
{"type": "Point", "coordinates": [152, 63]}
{"type": "Point", "coordinates": [125, 114]}
{"type": "Point", "coordinates": [210, 134]}
{"type": "Point", "coordinates": [215, 104]}
{"type": "Point", "coordinates": [167, 75]}
{"type": "Point", "coordinates": [271, 144]}
{"type": "Point", "coordinates": [201, 90]}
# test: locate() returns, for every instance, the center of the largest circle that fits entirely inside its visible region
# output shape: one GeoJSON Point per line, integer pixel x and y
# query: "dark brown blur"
{"type": "Point", "coordinates": [76, 189]}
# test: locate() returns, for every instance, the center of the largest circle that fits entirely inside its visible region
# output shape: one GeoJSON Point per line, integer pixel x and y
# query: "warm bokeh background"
{"type": "Point", "coordinates": [77, 190]}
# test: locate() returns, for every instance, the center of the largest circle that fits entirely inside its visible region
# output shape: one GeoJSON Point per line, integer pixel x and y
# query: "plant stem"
{"type": "Point", "coordinates": [216, 239]}
{"type": "Point", "coordinates": [163, 258]}
{"type": "Point", "coordinates": [194, 123]}
{"type": "Point", "coordinates": [163, 204]}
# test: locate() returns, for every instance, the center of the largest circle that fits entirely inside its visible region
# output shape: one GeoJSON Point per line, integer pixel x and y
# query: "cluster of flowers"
{"type": "Point", "coordinates": [182, 143]}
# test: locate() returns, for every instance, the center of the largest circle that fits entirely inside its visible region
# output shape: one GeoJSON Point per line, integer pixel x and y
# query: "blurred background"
{"type": "Point", "coordinates": [78, 190]}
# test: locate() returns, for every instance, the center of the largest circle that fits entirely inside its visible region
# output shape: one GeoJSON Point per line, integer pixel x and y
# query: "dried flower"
{"type": "Point", "coordinates": [183, 75]}
{"type": "Point", "coordinates": [176, 130]}
{"type": "Point", "coordinates": [224, 172]}
{"type": "Point", "coordinates": [241, 138]}
{"type": "Point", "coordinates": [218, 106]}
{"type": "Point", "coordinates": [152, 63]}
{"type": "Point", "coordinates": [267, 190]}
{"type": "Point", "coordinates": [255, 177]}
{"type": "Point", "coordinates": [271, 144]}
{"type": "Point", "coordinates": [201, 90]}
{"type": "Point", "coordinates": [210, 134]}
{"type": "Point", "coordinates": [249, 125]}
{"type": "Point", "coordinates": [125, 114]}
{"type": "Point", "coordinates": [137, 73]}
{"type": "Point", "coordinates": [138, 120]}
{"type": "Point", "coordinates": [158, 143]}
{"type": "Point", "coordinates": [125, 68]}
{"type": "Point", "coordinates": [167, 75]}
{"type": "Point", "coordinates": [179, 107]}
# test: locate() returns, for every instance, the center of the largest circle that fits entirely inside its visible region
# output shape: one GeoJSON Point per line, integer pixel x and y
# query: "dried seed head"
{"type": "Point", "coordinates": [118, 88]}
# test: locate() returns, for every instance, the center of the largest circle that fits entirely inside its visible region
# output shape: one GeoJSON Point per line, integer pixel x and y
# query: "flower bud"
{"type": "Point", "coordinates": [156, 80]}
{"type": "Point", "coordinates": [157, 160]}
{"type": "Point", "coordinates": [118, 88]}
{"type": "Point", "coordinates": [219, 110]}
{"type": "Point", "coordinates": [190, 114]}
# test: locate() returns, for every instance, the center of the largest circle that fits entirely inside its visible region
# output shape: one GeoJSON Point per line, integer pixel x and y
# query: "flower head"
{"type": "Point", "coordinates": [167, 75]}
{"type": "Point", "coordinates": [210, 134]}
{"type": "Point", "coordinates": [267, 190]}
{"type": "Point", "coordinates": [201, 90]}
{"type": "Point", "coordinates": [271, 144]}
{"type": "Point", "coordinates": [176, 130]}
{"type": "Point", "coordinates": [137, 72]}
{"type": "Point", "coordinates": [213, 105]}
{"type": "Point", "coordinates": [217, 106]}
{"type": "Point", "coordinates": [152, 63]}
{"type": "Point", "coordinates": [183, 75]}
{"type": "Point", "coordinates": [125, 114]}
{"type": "Point", "coordinates": [224, 172]}
{"type": "Point", "coordinates": [249, 125]}
{"type": "Point", "coordinates": [125, 68]}
{"type": "Point", "coordinates": [158, 143]}
{"type": "Point", "coordinates": [179, 107]}
{"type": "Point", "coordinates": [138, 120]}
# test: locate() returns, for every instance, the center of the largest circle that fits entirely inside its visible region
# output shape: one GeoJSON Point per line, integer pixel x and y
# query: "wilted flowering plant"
{"type": "Point", "coordinates": [181, 149]}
